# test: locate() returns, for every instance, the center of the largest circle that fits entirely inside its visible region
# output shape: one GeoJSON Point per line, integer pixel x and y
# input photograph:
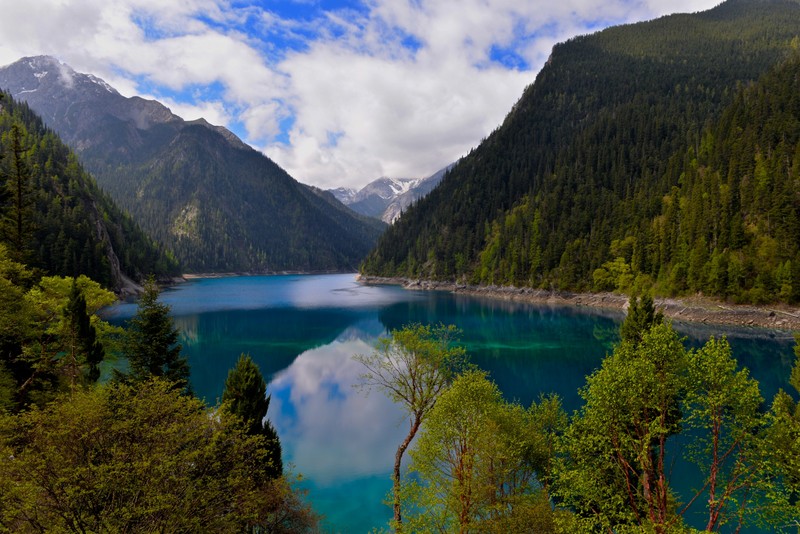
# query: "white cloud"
{"type": "Point", "coordinates": [212, 111]}
{"type": "Point", "coordinates": [408, 114]}
{"type": "Point", "coordinates": [362, 104]}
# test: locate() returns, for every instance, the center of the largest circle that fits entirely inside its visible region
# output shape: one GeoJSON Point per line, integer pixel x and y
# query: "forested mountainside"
{"type": "Point", "coordinates": [642, 154]}
{"type": "Point", "coordinates": [54, 217]}
{"type": "Point", "coordinates": [196, 188]}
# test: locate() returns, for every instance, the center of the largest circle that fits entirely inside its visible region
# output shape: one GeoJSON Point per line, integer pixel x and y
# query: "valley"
{"type": "Point", "coordinates": [213, 318]}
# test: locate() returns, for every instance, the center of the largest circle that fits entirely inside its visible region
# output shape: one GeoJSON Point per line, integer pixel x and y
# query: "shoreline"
{"type": "Point", "coordinates": [185, 277]}
{"type": "Point", "coordinates": [702, 310]}
{"type": "Point", "coordinates": [195, 276]}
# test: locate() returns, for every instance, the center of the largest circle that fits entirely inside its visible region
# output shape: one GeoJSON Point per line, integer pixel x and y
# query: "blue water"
{"type": "Point", "coordinates": [302, 331]}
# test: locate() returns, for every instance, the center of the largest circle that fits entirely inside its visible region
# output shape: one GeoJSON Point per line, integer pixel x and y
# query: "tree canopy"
{"type": "Point", "coordinates": [245, 396]}
{"type": "Point", "coordinates": [151, 342]}
{"type": "Point", "coordinates": [413, 366]}
{"type": "Point", "coordinates": [137, 458]}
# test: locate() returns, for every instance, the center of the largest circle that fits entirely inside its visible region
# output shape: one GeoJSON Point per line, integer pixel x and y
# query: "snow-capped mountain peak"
{"type": "Point", "coordinates": [345, 195]}
{"type": "Point", "coordinates": [386, 198]}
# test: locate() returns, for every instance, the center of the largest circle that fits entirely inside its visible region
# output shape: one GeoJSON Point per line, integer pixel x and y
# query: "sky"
{"type": "Point", "coordinates": [337, 92]}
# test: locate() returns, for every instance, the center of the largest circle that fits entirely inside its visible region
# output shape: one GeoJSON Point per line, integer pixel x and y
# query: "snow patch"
{"type": "Point", "coordinates": [102, 83]}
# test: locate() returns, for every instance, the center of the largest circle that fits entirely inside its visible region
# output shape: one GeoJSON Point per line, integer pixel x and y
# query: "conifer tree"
{"type": "Point", "coordinates": [245, 397]}
{"type": "Point", "coordinates": [151, 343]}
{"type": "Point", "coordinates": [85, 352]}
{"type": "Point", "coordinates": [642, 316]}
{"type": "Point", "coordinates": [17, 219]}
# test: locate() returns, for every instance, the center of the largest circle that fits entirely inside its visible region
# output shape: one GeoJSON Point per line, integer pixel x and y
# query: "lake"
{"type": "Point", "coordinates": [302, 331]}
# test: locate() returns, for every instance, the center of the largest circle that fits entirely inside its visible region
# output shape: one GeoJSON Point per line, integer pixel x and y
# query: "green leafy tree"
{"type": "Point", "coordinates": [722, 412]}
{"type": "Point", "coordinates": [479, 463]}
{"type": "Point", "coordinates": [641, 317]}
{"type": "Point", "coordinates": [781, 452]}
{"type": "Point", "coordinates": [65, 338]}
{"type": "Point", "coordinates": [413, 367]}
{"type": "Point", "coordinates": [245, 397]}
{"type": "Point", "coordinates": [15, 327]}
{"type": "Point", "coordinates": [138, 458]}
{"type": "Point", "coordinates": [151, 342]}
{"type": "Point", "coordinates": [614, 466]}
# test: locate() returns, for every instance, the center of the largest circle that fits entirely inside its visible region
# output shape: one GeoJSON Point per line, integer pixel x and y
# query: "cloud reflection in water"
{"type": "Point", "coordinates": [331, 431]}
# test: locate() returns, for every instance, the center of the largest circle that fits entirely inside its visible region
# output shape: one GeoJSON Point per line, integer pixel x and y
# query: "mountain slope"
{"type": "Point", "coordinates": [219, 204]}
{"type": "Point", "coordinates": [69, 227]}
{"type": "Point", "coordinates": [584, 160]}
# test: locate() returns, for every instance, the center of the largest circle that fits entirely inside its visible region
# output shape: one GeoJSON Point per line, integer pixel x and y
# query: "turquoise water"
{"type": "Point", "coordinates": [302, 331]}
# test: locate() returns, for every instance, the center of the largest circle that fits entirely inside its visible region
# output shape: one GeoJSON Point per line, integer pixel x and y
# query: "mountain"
{"type": "Point", "coordinates": [62, 223]}
{"type": "Point", "coordinates": [386, 198]}
{"type": "Point", "coordinates": [586, 184]}
{"type": "Point", "coordinates": [345, 195]}
{"type": "Point", "coordinates": [196, 188]}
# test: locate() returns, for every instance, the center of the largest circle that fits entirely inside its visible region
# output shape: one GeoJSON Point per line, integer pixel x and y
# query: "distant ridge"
{"type": "Point", "coordinates": [387, 198]}
{"type": "Point", "coordinates": [217, 203]}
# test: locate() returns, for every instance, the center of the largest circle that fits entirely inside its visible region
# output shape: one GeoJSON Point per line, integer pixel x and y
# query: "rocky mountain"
{"type": "Point", "coordinates": [196, 188]}
{"type": "Point", "coordinates": [386, 198]}
{"type": "Point", "coordinates": [63, 223]}
{"type": "Point", "coordinates": [624, 167]}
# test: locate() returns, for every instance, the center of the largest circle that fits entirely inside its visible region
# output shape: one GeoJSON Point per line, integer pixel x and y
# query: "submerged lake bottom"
{"type": "Point", "coordinates": [302, 331]}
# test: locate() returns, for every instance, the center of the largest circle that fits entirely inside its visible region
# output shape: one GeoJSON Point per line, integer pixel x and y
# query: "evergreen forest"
{"type": "Point", "coordinates": [56, 219]}
{"type": "Point", "coordinates": [656, 156]}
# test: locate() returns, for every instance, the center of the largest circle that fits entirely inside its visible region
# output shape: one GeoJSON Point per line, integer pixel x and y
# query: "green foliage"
{"type": "Point", "coordinates": [614, 471]}
{"type": "Point", "coordinates": [722, 410]}
{"type": "Point", "coordinates": [50, 335]}
{"type": "Point", "coordinates": [119, 457]}
{"type": "Point", "coordinates": [151, 342]}
{"type": "Point", "coordinates": [84, 350]}
{"type": "Point", "coordinates": [643, 155]}
{"type": "Point", "coordinates": [55, 218]}
{"type": "Point", "coordinates": [614, 459]}
{"type": "Point", "coordinates": [16, 223]}
{"type": "Point", "coordinates": [245, 397]}
{"type": "Point", "coordinates": [781, 453]}
{"type": "Point", "coordinates": [413, 367]}
{"type": "Point", "coordinates": [641, 317]}
{"type": "Point", "coordinates": [477, 462]}
{"type": "Point", "coordinates": [137, 458]}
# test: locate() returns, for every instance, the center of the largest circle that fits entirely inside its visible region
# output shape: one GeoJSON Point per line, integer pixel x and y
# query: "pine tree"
{"type": "Point", "coordinates": [85, 352]}
{"type": "Point", "coordinates": [642, 316]}
{"type": "Point", "coordinates": [151, 343]}
{"type": "Point", "coordinates": [17, 219]}
{"type": "Point", "coordinates": [245, 397]}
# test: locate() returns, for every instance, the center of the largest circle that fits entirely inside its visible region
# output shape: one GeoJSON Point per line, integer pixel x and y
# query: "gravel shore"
{"type": "Point", "coordinates": [687, 309]}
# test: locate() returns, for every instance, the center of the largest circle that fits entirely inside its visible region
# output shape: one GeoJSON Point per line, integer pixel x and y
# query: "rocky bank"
{"type": "Point", "coordinates": [687, 309]}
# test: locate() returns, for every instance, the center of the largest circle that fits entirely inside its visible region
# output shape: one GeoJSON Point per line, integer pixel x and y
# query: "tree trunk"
{"type": "Point", "coordinates": [398, 459]}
